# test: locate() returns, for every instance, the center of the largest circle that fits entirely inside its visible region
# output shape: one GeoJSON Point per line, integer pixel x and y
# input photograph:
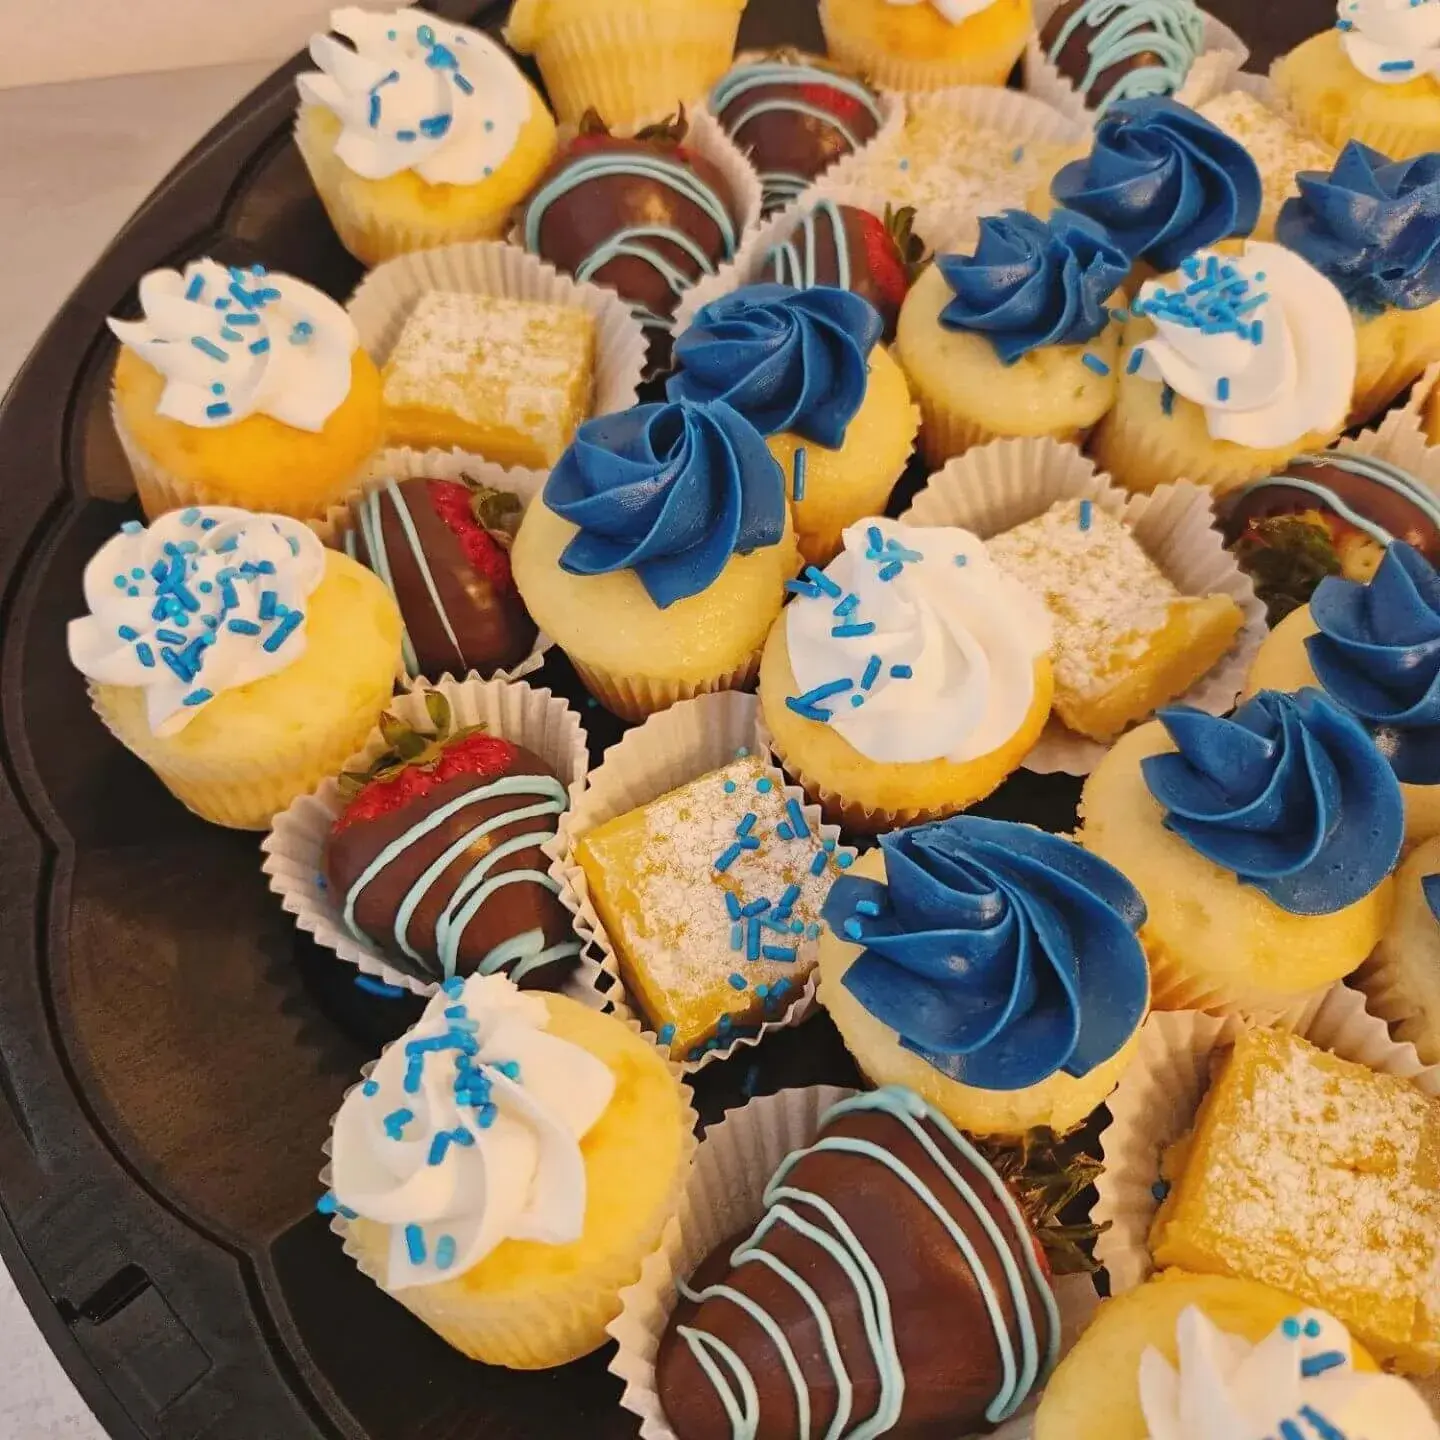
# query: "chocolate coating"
{"type": "Point", "coordinates": [946, 1344]}
{"type": "Point", "coordinates": [481, 623]}
{"type": "Point", "coordinates": [1073, 61]}
{"type": "Point", "coordinates": [510, 910]}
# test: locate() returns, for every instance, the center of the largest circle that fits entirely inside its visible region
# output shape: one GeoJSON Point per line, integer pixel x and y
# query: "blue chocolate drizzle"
{"type": "Point", "coordinates": [670, 491]}
{"type": "Point", "coordinates": [1171, 30]}
{"type": "Point", "coordinates": [1163, 181]}
{"type": "Point", "coordinates": [1000, 954]}
{"type": "Point", "coordinates": [793, 261]}
{"type": "Point", "coordinates": [1377, 654]}
{"type": "Point", "coordinates": [1289, 794]}
{"type": "Point", "coordinates": [790, 361]}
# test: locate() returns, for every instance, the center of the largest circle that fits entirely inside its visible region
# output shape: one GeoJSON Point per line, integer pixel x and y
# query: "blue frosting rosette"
{"type": "Point", "coordinates": [1372, 226]}
{"type": "Point", "coordinates": [1289, 794]}
{"type": "Point", "coordinates": [1000, 954]}
{"type": "Point", "coordinates": [788, 360]}
{"type": "Point", "coordinates": [670, 491]}
{"type": "Point", "coordinates": [1377, 654]}
{"type": "Point", "coordinates": [1163, 181]}
{"type": "Point", "coordinates": [1034, 282]}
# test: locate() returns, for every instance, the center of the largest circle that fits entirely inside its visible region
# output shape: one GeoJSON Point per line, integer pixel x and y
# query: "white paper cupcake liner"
{"type": "Point", "coordinates": [996, 487]}
{"type": "Point", "coordinates": [725, 1197]}
{"type": "Point", "coordinates": [1223, 54]}
{"type": "Point", "coordinates": [295, 847]}
{"type": "Point", "coordinates": [1159, 1095]}
{"type": "Point", "coordinates": [406, 464]}
{"type": "Point", "coordinates": [669, 750]}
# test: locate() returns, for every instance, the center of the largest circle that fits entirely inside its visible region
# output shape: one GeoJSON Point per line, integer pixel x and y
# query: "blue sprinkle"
{"type": "Point", "coordinates": [196, 288]}
{"type": "Point", "coordinates": [816, 576]}
{"type": "Point", "coordinates": [867, 907]}
{"type": "Point", "coordinates": [888, 572]}
{"type": "Point", "coordinates": [369, 1089]}
{"type": "Point", "coordinates": [1291, 1326]}
{"type": "Point", "coordinates": [374, 109]}
{"type": "Point", "coordinates": [434, 126]}
{"type": "Point", "coordinates": [1095, 363]}
{"type": "Point", "coordinates": [803, 587]}
{"type": "Point", "coordinates": [1222, 388]}
{"type": "Point", "coordinates": [797, 818]}
{"type": "Point", "coordinates": [783, 830]}
{"type": "Point", "coordinates": [415, 1244]}
{"type": "Point", "coordinates": [268, 601]}
{"type": "Point", "coordinates": [218, 411]}
{"type": "Point", "coordinates": [844, 861]}
{"type": "Point", "coordinates": [282, 632]}
{"type": "Point", "coordinates": [1313, 1328]}
{"type": "Point", "coordinates": [797, 486]}
{"type": "Point", "coordinates": [1314, 1365]}
{"type": "Point", "coordinates": [454, 987]}
{"type": "Point", "coordinates": [737, 936]}
{"type": "Point", "coordinates": [1017, 154]}
{"type": "Point", "coordinates": [396, 1121]}
{"type": "Point", "coordinates": [1167, 400]}
{"type": "Point", "coordinates": [787, 900]}
{"type": "Point", "coordinates": [377, 987]}
{"type": "Point", "coordinates": [128, 632]}
{"type": "Point", "coordinates": [145, 655]}
{"type": "Point", "coordinates": [444, 1252]}
{"type": "Point", "coordinates": [730, 787]}
{"type": "Point", "coordinates": [752, 941]}
{"type": "Point", "coordinates": [226, 333]}
{"type": "Point", "coordinates": [756, 907]}
{"type": "Point", "coordinates": [747, 824]}
{"type": "Point", "coordinates": [210, 348]}
{"type": "Point", "coordinates": [1397, 66]}
{"type": "Point", "coordinates": [818, 864]}
{"type": "Point", "coordinates": [856, 701]}
{"type": "Point", "coordinates": [764, 785]}
{"type": "Point", "coordinates": [783, 953]}
{"type": "Point", "coordinates": [465, 87]}
{"type": "Point", "coordinates": [1137, 359]}
{"type": "Point", "coordinates": [666, 1034]}
{"type": "Point", "coordinates": [260, 346]}
{"type": "Point", "coordinates": [170, 637]}
{"type": "Point", "coordinates": [728, 857]}
{"type": "Point", "coordinates": [405, 136]}
{"type": "Point", "coordinates": [1160, 1189]}
{"type": "Point", "coordinates": [732, 905]}
{"type": "Point", "coordinates": [736, 980]}
{"type": "Point", "coordinates": [852, 929]}
{"type": "Point", "coordinates": [1087, 514]}
{"type": "Point", "coordinates": [242, 627]}
{"type": "Point", "coordinates": [872, 672]}
{"type": "Point", "coordinates": [248, 318]}
{"type": "Point", "coordinates": [327, 1203]}
{"type": "Point", "coordinates": [853, 631]}
{"type": "Point", "coordinates": [199, 697]}
{"type": "Point", "coordinates": [901, 672]}
{"type": "Point", "coordinates": [132, 527]}
{"type": "Point", "coordinates": [846, 607]}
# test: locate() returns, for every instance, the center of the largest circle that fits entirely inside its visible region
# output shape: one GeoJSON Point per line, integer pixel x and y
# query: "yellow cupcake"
{"type": "Point", "coordinates": [630, 60]}
{"type": "Point", "coordinates": [418, 133]}
{"type": "Point", "coordinates": [1401, 980]}
{"type": "Point", "coordinates": [917, 47]}
{"type": "Point", "coordinates": [1333, 84]}
{"type": "Point", "coordinates": [522, 1262]}
{"type": "Point", "coordinates": [1204, 396]}
{"type": "Point", "coordinates": [968, 395]}
{"type": "Point", "coordinates": [1095, 1393]}
{"type": "Point", "coordinates": [268, 403]}
{"type": "Point", "coordinates": [907, 680]}
{"type": "Point", "coordinates": [882, 1022]}
{"type": "Point", "coordinates": [288, 691]}
{"type": "Point", "coordinates": [1215, 941]}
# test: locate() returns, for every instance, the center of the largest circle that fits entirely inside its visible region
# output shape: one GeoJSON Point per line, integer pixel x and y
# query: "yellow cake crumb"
{"type": "Point", "coordinates": [1322, 1178]}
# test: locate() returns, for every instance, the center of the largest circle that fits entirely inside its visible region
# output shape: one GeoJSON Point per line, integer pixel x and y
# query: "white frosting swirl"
{"type": "Point", "coordinates": [417, 93]}
{"type": "Point", "coordinates": [205, 600]}
{"type": "Point", "coordinates": [1391, 41]}
{"type": "Point", "coordinates": [514, 1103]}
{"type": "Point", "coordinates": [952, 10]}
{"type": "Point", "coordinates": [964, 636]}
{"type": "Point", "coordinates": [233, 343]}
{"type": "Point", "coordinates": [1229, 1389]}
{"type": "Point", "coordinates": [1267, 349]}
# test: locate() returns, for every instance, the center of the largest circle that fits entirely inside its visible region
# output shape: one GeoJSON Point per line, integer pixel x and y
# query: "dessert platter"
{"type": "Point", "coordinates": [723, 723]}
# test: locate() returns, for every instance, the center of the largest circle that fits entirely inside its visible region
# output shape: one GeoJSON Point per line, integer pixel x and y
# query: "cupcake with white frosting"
{"type": "Point", "coordinates": [242, 387]}
{"type": "Point", "coordinates": [417, 132]}
{"type": "Point", "coordinates": [907, 679]}
{"type": "Point", "coordinates": [1374, 77]}
{"type": "Point", "coordinates": [506, 1167]}
{"type": "Point", "coordinates": [1230, 367]}
{"type": "Point", "coordinates": [236, 656]}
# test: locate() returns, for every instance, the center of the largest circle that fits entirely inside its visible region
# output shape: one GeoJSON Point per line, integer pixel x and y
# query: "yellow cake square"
{"type": "Point", "coordinates": [1321, 1178]}
{"type": "Point", "coordinates": [1126, 640]}
{"type": "Point", "coordinates": [507, 379]}
{"type": "Point", "coordinates": [711, 896]}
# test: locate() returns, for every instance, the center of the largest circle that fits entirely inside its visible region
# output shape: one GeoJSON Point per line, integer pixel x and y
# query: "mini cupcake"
{"type": "Point", "coordinates": [1262, 845]}
{"type": "Point", "coordinates": [239, 387]}
{"type": "Point", "coordinates": [1370, 78]}
{"type": "Point", "coordinates": [1372, 227]}
{"type": "Point", "coordinates": [927, 44]}
{"type": "Point", "coordinates": [658, 554]}
{"type": "Point", "coordinates": [908, 678]}
{"type": "Point", "coordinates": [1401, 980]}
{"type": "Point", "coordinates": [1233, 365]}
{"type": "Point", "coordinates": [629, 60]}
{"type": "Point", "coordinates": [1187, 1352]}
{"type": "Point", "coordinates": [1016, 339]}
{"type": "Point", "coordinates": [992, 968]}
{"type": "Point", "coordinates": [506, 1167]}
{"type": "Point", "coordinates": [806, 368]}
{"type": "Point", "coordinates": [1163, 181]}
{"type": "Point", "coordinates": [236, 656]}
{"type": "Point", "coordinates": [1374, 649]}
{"type": "Point", "coordinates": [422, 134]}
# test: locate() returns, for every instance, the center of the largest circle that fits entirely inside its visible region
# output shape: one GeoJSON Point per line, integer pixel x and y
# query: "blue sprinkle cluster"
{"type": "Point", "coordinates": [438, 56]}
{"type": "Point", "coordinates": [241, 305]}
{"type": "Point", "coordinates": [1217, 300]}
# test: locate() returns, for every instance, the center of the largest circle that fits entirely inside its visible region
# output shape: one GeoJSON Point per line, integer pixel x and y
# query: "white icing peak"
{"type": "Point", "coordinates": [1262, 342]}
{"type": "Point", "coordinates": [919, 626]}
{"type": "Point", "coordinates": [468, 1132]}
{"type": "Point", "coordinates": [417, 93]}
{"type": "Point", "coordinates": [954, 11]}
{"type": "Point", "coordinates": [1298, 1381]}
{"type": "Point", "coordinates": [233, 343]}
{"type": "Point", "coordinates": [1391, 41]}
{"type": "Point", "coordinates": [205, 600]}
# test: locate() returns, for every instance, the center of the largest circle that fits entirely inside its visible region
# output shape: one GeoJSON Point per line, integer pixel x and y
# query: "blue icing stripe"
{"type": "Point", "coordinates": [1000, 954]}
{"type": "Point", "coordinates": [1377, 654]}
{"type": "Point", "coordinates": [794, 262]}
{"type": "Point", "coordinates": [1290, 795]}
{"type": "Point", "coordinates": [1171, 30]}
{"type": "Point", "coordinates": [1004, 1238]}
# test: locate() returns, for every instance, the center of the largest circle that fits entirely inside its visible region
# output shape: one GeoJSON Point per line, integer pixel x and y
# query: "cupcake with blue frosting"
{"type": "Point", "coordinates": [657, 555]}
{"type": "Point", "coordinates": [1018, 338]}
{"type": "Point", "coordinates": [994, 969]}
{"type": "Point", "coordinates": [807, 370]}
{"type": "Point", "coordinates": [1374, 649]}
{"type": "Point", "coordinates": [1372, 227]}
{"type": "Point", "coordinates": [1261, 843]}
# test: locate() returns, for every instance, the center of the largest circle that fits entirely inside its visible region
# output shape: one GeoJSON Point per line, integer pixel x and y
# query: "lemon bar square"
{"type": "Point", "coordinates": [1321, 1178]}
{"type": "Point", "coordinates": [1126, 640]}
{"type": "Point", "coordinates": [507, 379]}
{"type": "Point", "coordinates": [711, 896]}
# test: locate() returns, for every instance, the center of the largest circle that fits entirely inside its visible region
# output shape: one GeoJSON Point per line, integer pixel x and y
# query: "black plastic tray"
{"type": "Point", "coordinates": [171, 1048]}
